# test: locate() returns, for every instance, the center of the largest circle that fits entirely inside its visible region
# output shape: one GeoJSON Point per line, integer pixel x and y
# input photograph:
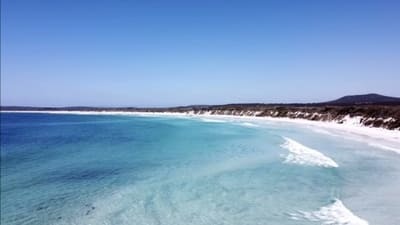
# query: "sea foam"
{"type": "Point", "coordinates": [303, 155]}
{"type": "Point", "coordinates": [333, 214]}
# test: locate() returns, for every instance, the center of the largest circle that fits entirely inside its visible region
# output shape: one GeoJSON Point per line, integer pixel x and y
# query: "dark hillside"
{"type": "Point", "coordinates": [368, 99]}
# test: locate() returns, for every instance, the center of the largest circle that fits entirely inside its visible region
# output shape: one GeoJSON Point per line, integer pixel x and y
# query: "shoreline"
{"type": "Point", "coordinates": [390, 138]}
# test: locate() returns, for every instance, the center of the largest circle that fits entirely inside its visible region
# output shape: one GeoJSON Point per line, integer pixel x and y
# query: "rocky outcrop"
{"type": "Point", "coordinates": [372, 116]}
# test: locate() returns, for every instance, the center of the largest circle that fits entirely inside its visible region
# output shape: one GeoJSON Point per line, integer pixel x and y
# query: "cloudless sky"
{"type": "Point", "coordinates": [164, 53]}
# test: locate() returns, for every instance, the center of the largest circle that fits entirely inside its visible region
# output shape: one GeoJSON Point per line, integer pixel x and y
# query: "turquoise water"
{"type": "Point", "coordinates": [97, 169]}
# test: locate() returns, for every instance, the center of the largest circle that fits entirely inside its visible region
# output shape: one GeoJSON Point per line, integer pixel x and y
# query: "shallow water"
{"type": "Point", "coordinates": [95, 169]}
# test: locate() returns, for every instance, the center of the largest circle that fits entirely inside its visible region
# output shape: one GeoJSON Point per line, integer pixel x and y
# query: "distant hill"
{"type": "Point", "coordinates": [367, 99]}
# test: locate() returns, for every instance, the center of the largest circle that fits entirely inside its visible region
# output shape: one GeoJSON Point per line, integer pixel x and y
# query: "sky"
{"type": "Point", "coordinates": [168, 53]}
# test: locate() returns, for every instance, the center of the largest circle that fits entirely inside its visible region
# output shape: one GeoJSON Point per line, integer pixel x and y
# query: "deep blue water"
{"type": "Point", "coordinates": [98, 169]}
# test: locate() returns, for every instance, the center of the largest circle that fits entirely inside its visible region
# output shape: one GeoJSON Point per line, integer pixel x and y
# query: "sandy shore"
{"type": "Point", "coordinates": [351, 129]}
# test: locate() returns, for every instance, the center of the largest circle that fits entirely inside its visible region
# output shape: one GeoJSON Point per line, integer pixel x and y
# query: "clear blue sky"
{"type": "Point", "coordinates": [145, 53]}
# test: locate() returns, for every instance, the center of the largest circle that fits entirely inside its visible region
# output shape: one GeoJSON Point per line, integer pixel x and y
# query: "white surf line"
{"type": "Point", "coordinates": [247, 124]}
{"type": "Point", "coordinates": [303, 155]}
{"type": "Point", "coordinates": [334, 214]}
{"type": "Point", "coordinates": [381, 146]}
{"type": "Point", "coordinates": [213, 120]}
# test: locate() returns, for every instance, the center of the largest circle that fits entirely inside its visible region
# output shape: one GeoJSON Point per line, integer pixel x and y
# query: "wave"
{"type": "Point", "coordinates": [300, 154]}
{"type": "Point", "coordinates": [334, 214]}
{"type": "Point", "coordinates": [246, 124]}
{"type": "Point", "coordinates": [384, 147]}
{"type": "Point", "coordinates": [212, 120]}
{"type": "Point", "coordinates": [388, 145]}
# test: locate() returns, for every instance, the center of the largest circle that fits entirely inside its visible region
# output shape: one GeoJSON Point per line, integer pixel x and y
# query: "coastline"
{"type": "Point", "coordinates": [351, 129]}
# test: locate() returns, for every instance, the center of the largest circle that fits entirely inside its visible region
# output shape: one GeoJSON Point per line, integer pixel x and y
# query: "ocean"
{"type": "Point", "coordinates": [145, 170]}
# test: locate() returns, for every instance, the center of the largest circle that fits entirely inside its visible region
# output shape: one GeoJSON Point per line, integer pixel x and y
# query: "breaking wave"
{"type": "Point", "coordinates": [247, 124]}
{"type": "Point", "coordinates": [212, 120]}
{"type": "Point", "coordinates": [303, 155]}
{"type": "Point", "coordinates": [334, 214]}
